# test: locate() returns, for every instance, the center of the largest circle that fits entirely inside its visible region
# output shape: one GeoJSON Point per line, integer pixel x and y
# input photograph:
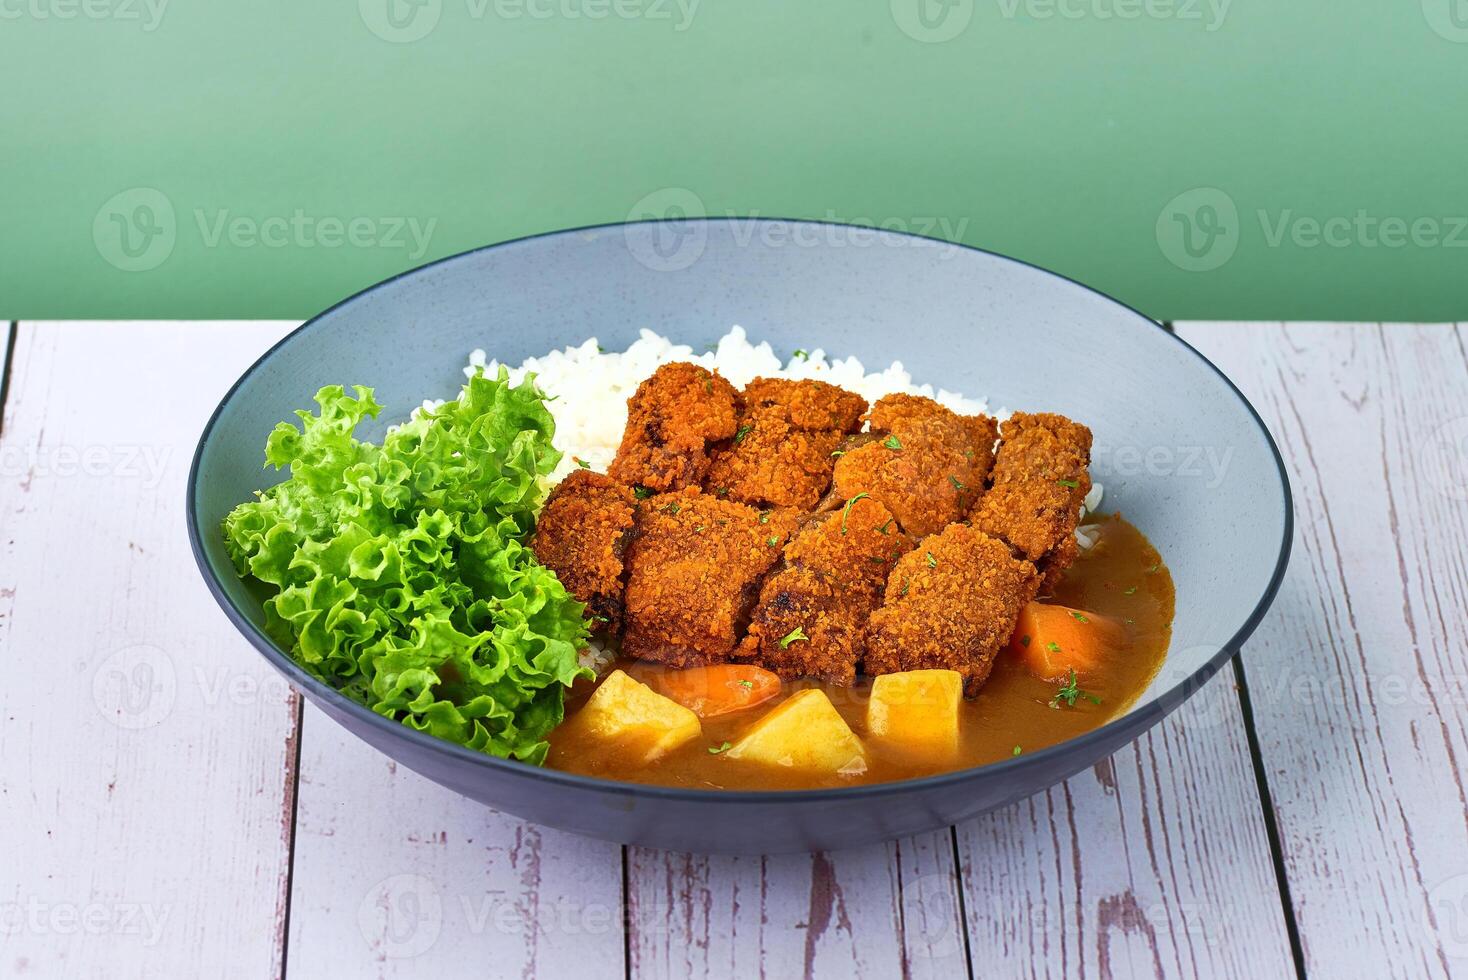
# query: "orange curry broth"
{"type": "Point", "coordinates": [1014, 709]}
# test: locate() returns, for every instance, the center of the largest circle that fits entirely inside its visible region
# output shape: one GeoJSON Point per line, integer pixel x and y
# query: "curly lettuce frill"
{"type": "Point", "coordinates": [402, 576]}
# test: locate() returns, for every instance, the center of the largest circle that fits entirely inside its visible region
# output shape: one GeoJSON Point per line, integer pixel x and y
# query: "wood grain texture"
{"type": "Point", "coordinates": [145, 761]}
{"type": "Point", "coordinates": [397, 876]}
{"type": "Point", "coordinates": [1154, 864]}
{"type": "Point", "coordinates": [1359, 677]}
{"type": "Point", "coordinates": [884, 911]}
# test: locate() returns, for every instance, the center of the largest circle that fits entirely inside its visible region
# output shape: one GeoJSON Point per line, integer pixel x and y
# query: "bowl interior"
{"type": "Point", "coordinates": [1178, 450]}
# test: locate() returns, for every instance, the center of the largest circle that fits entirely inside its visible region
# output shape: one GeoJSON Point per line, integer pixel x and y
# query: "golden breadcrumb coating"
{"type": "Point", "coordinates": [694, 570]}
{"type": "Point", "coordinates": [807, 625]}
{"type": "Point", "coordinates": [812, 611]}
{"type": "Point", "coordinates": [1039, 481]}
{"type": "Point", "coordinates": [927, 464]}
{"type": "Point", "coordinates": [780, 454]}
{"type": "Point", "coordinates": [1052, 567]}
{"type": "Point", "coordinates": [951, 603]}
{"type": "Point", "coordinates": [582, 536]}
{"type": "Point", "coordinates": [808, 404]}
{"type": "Point", "coordinates": [858, 543]}
{"type": "Point", "coordinates": [671, 420]}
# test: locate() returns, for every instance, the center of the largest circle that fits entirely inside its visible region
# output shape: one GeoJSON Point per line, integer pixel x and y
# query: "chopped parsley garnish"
{"type": "Point", "coordinates": [905, 583]}
{"type": "Point", "coordinates": [1071, 484]}
{"type": "Point", "coordinates": [581, 462]}
{"type": "Point", "coordinates": [746, 684]}
{"type": "Point", "coordinates": [1017, 750]}
{"type": "Point", "coordinates": [721, 491]}
{"type": "Point", "coordinates": [957, 483]}
{"type": "Point", "coordinates": [774, 540]}
{"type": "Point", "coordinates": [847, 510]}
{"type": "Point", "coordinates": [1131, 591]}
{"type": "Point", "coordinates": [1078, 617]}
{"type": "Point", "coordinates": [716, 749]}
{"type": "Point", "coordinates": [743, 431]}
{"type": "Point", "coordinates": [1054, 647]}
{"type": "Point", "coordinates": [932, 562]}
{"type": "Point", "coordinates": [794, 636]}
{"type": "Point", "coordinates": [698, 529]}
{"type": "Point", "coordinates": [641, 493]}
{"type": "Point", "coordinates": [800, 353]}
{"type": "Point", "coordinates": [892, 442]}
{"type": "Point", "coordinates": [1070, 691]}
{"type": "Point", "coordinates": [764, 517]}
{"type": "Point", "coordinates": [1024, 641]}
{"type": "Point", "coordinates": [838, 454]}
{"type": "Point", "coordinates": [1154, 568]}
{"type": "Point", "coordinates": [672, 508]}
{"type": "Point", "coordinates": [883, 528]}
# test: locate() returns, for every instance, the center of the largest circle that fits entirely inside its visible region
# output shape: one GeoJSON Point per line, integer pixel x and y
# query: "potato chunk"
{"type": "Point", "coordinates": [916, 711]}
{"type": "Point", "coordinates": [806, 733]}
{"type": "Point", "coordinates": [634, 721]}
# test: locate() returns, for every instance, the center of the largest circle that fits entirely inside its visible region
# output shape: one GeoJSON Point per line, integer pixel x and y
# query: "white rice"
{"type": "Point", "coordinates": [590, 387]}
{"type": "Point", "coordinates": [588, 390]}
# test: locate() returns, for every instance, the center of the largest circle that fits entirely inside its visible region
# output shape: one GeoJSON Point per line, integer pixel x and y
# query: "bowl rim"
{"type": "Point", "coordinates": [306, 684]}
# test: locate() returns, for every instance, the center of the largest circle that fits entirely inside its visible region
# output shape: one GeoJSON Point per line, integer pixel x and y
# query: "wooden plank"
{"type": "Point", "coordinates": [881, 911]}
{"type": "Point", "coordinates": [1155, 863]}
{"type": "Point", "coordinates": [146, 759]}
{"type": "Point", "coordinates": [1359, 678]}
{"type": "Point", "coordinates": [397, 876]}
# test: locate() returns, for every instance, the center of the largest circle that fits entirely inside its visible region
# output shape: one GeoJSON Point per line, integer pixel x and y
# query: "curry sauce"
{"type": "Point", "coordinates": [1121, 577]}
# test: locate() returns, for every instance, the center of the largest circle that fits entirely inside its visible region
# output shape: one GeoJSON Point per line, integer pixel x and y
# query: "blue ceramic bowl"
{"type": "Point", "coordinates": [1179, 450]}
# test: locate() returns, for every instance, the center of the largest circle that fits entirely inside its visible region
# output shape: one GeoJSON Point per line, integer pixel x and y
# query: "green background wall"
{"type": "Point", "coordinates": [1196, 158]}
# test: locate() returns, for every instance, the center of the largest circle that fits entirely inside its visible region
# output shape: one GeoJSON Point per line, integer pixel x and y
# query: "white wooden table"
{"type": "Point", "coordinates": [169, 808]}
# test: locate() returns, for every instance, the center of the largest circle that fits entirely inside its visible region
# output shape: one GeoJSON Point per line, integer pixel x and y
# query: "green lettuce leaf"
{"type": "Point", "coordinates": [400, 570]}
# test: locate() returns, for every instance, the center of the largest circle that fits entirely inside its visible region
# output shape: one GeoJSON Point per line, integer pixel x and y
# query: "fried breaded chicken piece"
{"type": "Point", "coordinates": [807, 625]}
{"type": "Point", "coordinates": [926, 463]}
{"type": "Point", "coordinates": [694, 570]}
{"type": "Point", "coordinates": [582, 536]}
{"type": "Point", "coordinates": [1056, 561]}
{"type": "Point", "coordinates": [671, 420]}
{"type": "Point", "coordinates": [1039, 482]}
{"type": "Point", "coordinates": [808, 404]}
{"type": "Point", "coordinates": [950, 603]}
{"type": "Point", "coordinates": [812, 612]}
{"type": "Point", "coordinates": [780, 454]}
{"type": "Point", "coordinates": [858, 544]}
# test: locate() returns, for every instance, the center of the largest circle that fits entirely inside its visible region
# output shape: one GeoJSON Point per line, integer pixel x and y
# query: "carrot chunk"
{"type": "Point", "coordinates": [1054, 640]}
{"type": "Point", "coordinates": [717, 689]}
